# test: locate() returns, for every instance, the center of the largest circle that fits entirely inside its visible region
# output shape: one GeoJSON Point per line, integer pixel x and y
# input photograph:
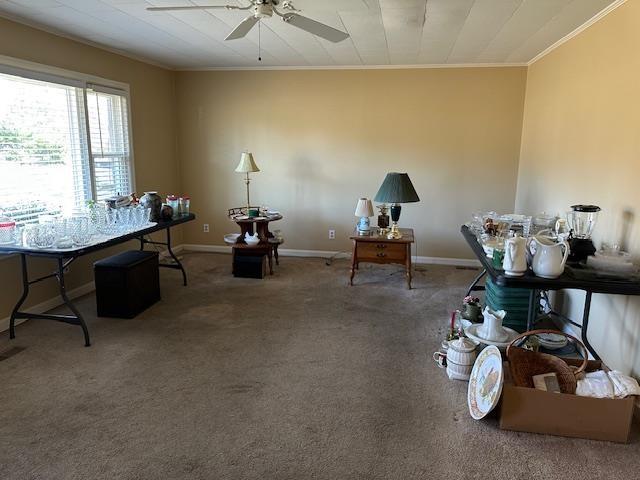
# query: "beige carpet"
{"type": "Point", "coordinates": [294, 377]}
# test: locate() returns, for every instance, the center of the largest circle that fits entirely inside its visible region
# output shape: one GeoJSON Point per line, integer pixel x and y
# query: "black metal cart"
{"type": "Point", "coordinates": [64, 258]}
{"type": "Point", "coordinates": [575, 278]}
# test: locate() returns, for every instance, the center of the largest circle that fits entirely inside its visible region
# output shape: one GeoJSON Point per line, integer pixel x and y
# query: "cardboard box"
{"type": "Point", "coordinates": [531, 410]}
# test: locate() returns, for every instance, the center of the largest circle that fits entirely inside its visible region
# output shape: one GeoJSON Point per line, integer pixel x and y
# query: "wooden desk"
{"type": "Point", "coordinates": [379, 249]}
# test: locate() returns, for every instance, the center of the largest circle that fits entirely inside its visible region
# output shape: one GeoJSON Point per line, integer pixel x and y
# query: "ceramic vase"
{"type": "Point", "coordinates": [153, 201]}
{"type": "Point", "coordinates": [471, 312]}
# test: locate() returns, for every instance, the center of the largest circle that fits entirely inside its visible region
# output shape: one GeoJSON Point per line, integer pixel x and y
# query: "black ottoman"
{"type": "Point", "coordinates": [250, 262]}
{"type": "Point", "coordinates": [126, 283]}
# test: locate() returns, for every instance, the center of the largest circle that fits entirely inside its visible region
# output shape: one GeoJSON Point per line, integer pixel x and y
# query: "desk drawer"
{"type": "Point", "coordinates": [381, 251]}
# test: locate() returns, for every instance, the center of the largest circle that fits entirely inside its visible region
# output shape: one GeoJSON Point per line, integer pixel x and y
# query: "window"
{"type": "Point", "coordinates": [62, 143]}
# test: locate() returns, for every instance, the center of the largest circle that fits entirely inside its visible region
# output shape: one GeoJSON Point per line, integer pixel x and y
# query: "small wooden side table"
{"type": "Point", "coordinates": [376, 248]}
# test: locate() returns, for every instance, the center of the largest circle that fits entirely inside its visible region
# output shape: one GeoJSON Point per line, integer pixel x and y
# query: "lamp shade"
{"type": "Point", "coordinates": [396, 188]}
{"type": "Point", "coordinates": [247, 164]}
{"type": "Point", "coordinates": [364, 208]}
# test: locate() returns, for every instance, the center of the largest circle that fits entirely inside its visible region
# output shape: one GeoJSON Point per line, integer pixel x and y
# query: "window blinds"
{"type": "Point", "coordinates": [60, 146]}
{"type": "Point", "coordinates": [110, 152]}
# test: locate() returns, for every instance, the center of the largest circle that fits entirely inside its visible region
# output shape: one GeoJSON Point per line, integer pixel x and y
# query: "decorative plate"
{"type": "Point", "coordinates": [472, 333]}
{"type": "Point", "coordinates": [485, 384]}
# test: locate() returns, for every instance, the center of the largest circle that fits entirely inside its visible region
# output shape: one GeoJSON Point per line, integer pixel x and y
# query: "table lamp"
{"type": "Point", "coordinates": [246, 166]}
{"type": "Point", "coordinates": [364, 210]}
{"type": "Point", "coordinates": [395, 189]}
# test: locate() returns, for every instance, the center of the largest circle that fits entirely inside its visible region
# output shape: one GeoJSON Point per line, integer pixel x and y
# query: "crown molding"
{"type": "Point", "coordinates": [597, 17]}
{"type": "Point", "coordinates": [355, 67]}
{"type": "Point", "coordinates": [84, 41]}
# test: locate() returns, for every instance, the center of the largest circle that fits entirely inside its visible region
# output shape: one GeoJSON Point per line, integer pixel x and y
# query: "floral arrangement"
{"type": "Point", "coordinates": [469, 300]}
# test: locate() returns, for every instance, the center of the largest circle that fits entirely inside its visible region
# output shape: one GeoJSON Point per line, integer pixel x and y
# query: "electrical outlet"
{"type": "Point", "coordinates": [205, 228]}
{"type": "Point", "coordinates": [332, 234]}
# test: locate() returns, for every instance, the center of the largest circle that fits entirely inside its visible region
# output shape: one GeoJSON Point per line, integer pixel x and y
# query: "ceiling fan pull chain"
{"type": "Point", "coordinates": [259, 40]}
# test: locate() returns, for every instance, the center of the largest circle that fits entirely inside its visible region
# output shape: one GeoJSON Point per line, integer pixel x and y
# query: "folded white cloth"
{"type": "Point", "coordinates": [612, 384]}
{"type": "Point", "coordinates": [623, 385]}
{"type": "Point", "coordinates": [595, 384]}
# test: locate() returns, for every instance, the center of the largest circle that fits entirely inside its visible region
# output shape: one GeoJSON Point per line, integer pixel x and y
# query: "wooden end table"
{"type": "Point", "coordinates": [376, 248]}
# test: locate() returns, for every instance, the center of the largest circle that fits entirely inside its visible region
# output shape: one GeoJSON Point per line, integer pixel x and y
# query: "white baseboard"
{"type": "Point", "coordinates": [50, 304]}
{"type": "Point", "coordinates": [289, 252]}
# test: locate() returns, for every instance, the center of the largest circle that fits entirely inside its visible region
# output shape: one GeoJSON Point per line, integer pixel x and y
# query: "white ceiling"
{"type": "Point", "coordinates": [383, 32]}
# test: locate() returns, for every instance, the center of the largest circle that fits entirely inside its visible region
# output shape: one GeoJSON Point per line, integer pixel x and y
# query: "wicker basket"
{"type": "Point", "coordinates": [525, 364]}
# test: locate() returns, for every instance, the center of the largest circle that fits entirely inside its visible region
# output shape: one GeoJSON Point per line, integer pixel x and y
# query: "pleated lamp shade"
{"type": "Point", "coordinates": [396, 188]}
{"type": "Point", "coordinates": [247, 164]}
{"type": "Point", "coordinates": [364, 208]}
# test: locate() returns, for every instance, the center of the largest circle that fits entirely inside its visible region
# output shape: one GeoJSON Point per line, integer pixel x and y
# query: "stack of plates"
{"type": "Point", "coordinates": [552, 341]}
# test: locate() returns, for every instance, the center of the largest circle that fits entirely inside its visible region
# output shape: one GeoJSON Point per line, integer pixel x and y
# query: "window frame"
{"type": "Point", "coordinates": [37, 71]}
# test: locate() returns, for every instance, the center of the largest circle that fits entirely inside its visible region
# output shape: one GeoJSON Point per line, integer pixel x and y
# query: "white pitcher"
{"type": "Point", "coordinates": [515, 256]}
{"type": "Point", "coordinates": [549, 258]}
{"type": "Point", "coordinates": [491, 329]}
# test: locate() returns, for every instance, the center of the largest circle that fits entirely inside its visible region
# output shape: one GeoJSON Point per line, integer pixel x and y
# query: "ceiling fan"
{"type": "Point", "coordinates": [265, 9]}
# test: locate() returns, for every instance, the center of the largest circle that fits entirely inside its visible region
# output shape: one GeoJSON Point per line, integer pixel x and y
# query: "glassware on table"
{"type": "Point", "coordinates": [173, 202]}
{"type": "Point", "coordinates": [63, 233]}
{"type": "Point", "coordinates": [7, 230]}
{"type": "Point", "coordinates": [183, 205]}
{"type": "Point", "coordinates": [517, 223]}
{"type": "Point", "coordinates": [123, 220]}
{"type": "Point", "coordinates": [562, 229]}
{"type": "Point", "coordinates": [80, 230]}
{"type": "Point", "coordinates": [543, 221]}
{"type": "Point", "coordinates": [40, 235]}
{"type": "Point", "coordinates": [107, 223]}
{"type": "Point", "coordinates": [47, 218]}
{"type": "Point", "coordinates": [137, 217]}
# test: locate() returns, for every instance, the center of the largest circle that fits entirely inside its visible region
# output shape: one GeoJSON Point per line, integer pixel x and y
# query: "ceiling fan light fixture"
{"type": "Point", "coordinates": [263, 10]}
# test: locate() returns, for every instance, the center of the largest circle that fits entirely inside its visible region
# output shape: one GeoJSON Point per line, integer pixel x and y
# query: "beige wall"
{"type": "Point", "coordinates": [152, 105]}
{"type": "Point", "coordinates": [581, 144]}
{"type": "Point", "coordinates": [325, 138]}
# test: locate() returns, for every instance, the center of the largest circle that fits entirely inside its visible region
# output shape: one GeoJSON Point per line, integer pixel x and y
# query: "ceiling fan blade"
{"type": "Point", "coordinates": [243, 28]}
{"type": "Point", "coordinates": [187, 7]}
{"type": "Point", "coordinates": [320, 29]}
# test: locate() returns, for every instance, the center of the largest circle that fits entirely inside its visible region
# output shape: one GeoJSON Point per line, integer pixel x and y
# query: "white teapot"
{"type": "Point", "coordinates": [549, 258]}
{"type": "Point", "coordinates": [515, 256]}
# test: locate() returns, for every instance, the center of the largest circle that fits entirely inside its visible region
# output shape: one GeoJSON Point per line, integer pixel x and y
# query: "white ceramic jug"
{"type": "Point", "coordinates": [491, 329]}
{"type": "Point", "coordinates": [549, 258]}
{"type": "Point", "coordinates": [515, 256]}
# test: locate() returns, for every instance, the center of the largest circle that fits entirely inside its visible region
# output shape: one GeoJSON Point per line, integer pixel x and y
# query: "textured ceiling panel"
{"type": "Point", "coordinates": [382, 32]}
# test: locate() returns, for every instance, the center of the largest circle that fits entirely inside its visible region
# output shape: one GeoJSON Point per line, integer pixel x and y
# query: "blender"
{"type": "Point", "coordinates": [582, 221]}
